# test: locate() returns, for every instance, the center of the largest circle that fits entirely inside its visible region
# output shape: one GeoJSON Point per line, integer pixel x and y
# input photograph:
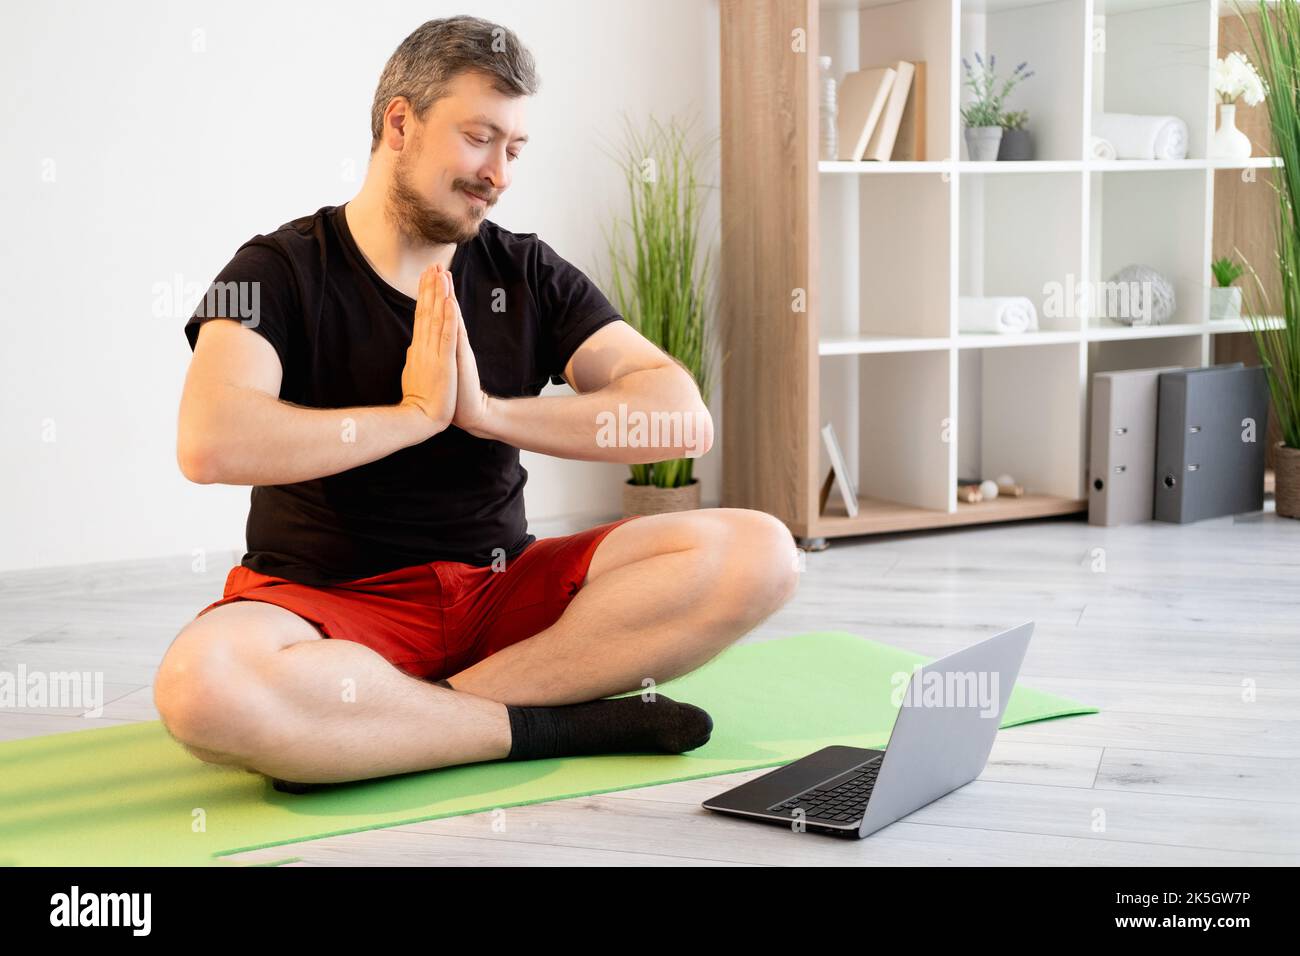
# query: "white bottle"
{"type": "Point", "coordinates": [829, 144]}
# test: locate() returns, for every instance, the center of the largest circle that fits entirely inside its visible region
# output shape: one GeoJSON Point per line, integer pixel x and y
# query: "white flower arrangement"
{"type": "Point", "coordinates": [1234, 76]}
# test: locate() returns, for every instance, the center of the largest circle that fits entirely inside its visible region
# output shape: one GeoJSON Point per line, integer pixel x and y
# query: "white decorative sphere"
{"type": "Point", "coordinates": [1137, 295]}
{"type": "Point", "coordinates": [988, 489]}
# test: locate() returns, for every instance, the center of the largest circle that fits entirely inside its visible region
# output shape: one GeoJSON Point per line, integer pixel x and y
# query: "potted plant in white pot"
{"type": "Point", "coordinates": [660, 282]}
{"type": "Point", "coordinates": [1277, 50]}
{"type": "Point", "coordinates": [983, 116]}
{"type": "Point", "coordinates": [1225, 300]}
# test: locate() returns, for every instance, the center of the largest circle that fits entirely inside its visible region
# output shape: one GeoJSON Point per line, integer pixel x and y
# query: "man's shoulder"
{"type": "Point", "coordinates": [535, 257]}
{"type": "Point", "coordinates": [517, 245]}
{"type": "Point", "coordinates": [299, 237]}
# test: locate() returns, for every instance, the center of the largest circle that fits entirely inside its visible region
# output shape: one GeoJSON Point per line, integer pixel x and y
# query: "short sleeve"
{"type": "Point", "coordinates": [257, 287]}
{"type": "Point", "coordinates": [571, 307]}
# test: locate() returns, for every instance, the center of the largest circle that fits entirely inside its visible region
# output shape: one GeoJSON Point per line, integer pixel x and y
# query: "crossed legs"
{"type": "Point", "coordinates": [254, 685]}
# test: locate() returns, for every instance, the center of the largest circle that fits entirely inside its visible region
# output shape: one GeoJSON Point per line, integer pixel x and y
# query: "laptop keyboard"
{"type": "Point", "coordinates": [845, 803]}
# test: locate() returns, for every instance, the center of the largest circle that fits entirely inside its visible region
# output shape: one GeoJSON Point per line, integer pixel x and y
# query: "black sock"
{"type": "Point", "coordinates": [621, 725]}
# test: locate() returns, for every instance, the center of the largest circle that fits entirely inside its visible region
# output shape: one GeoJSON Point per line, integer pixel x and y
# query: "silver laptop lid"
{"type": "Point", "coordinates": [948, 717]}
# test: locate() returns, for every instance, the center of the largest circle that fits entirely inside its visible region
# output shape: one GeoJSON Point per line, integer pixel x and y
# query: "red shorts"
{"type": "Point", "coordinates": [434, 620]}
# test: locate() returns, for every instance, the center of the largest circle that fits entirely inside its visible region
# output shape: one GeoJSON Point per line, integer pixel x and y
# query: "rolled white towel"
{"type": "Point", "coordinates": [1135, 136]}
{"type": "Point", "coordinates": [1102, 148]}
{"type": "Point", "coordinates": [1011, 313]}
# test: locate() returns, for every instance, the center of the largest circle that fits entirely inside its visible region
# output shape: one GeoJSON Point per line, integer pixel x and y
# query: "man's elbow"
{"type": "Point", "coordinates": [702, 439]}
{"type": "Point", "coordinates": [197, 463]}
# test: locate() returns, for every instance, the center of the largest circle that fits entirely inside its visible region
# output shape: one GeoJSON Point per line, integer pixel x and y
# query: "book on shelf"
{"type": "Point", "coordinates": [909, 144]}
{"type": "Point", "coordinates": [881, 145]}
{"type": "Point", "coordinates": [862, 96]}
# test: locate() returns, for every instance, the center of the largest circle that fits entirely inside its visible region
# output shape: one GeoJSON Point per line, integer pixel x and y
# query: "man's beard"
{"type": "Point", "coordinates": [419, 222]}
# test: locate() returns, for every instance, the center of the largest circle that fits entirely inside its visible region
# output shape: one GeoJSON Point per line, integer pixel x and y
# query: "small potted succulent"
{"type": "Point", "coordinates": [1015, 144]}
{"type": "Point", "coordinates": [1225, 301]}
{"type": "Point", "coordinates": [983, 116]}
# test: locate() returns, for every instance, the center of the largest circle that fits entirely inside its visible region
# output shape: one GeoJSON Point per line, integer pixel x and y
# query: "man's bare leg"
{"type": "Point", "coordinates": [254, 685]}
{"type": "Point", "coordinates": [664, 594]}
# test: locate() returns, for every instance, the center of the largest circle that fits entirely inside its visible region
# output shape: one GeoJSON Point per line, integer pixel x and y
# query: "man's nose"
{"type": "Point", "coordinates": [497, 171]}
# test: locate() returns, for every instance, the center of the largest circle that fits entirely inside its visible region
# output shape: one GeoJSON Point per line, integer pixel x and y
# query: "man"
{"type": "Point", "coordinates": [374, 373]}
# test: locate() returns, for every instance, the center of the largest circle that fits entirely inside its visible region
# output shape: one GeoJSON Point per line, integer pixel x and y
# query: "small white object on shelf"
{"type": "Point", "coordinates": [1102, 149]}
{"type": "Point", "coordinates": [1136, 136]}
{"type": "Point", "coordinates": [1234, 77]}
{"type": "Point", "coordinates": [1005, 315]}
{"type": "Point", "coordinates": [1229, 142]}
{"type": "Point", "coordinates": [1225, 304]}
{"type": "Point", "coordinates": [1138, 295]}
{"type": "Point", "coordinates": [829, 109]}
{"type": "Point", "coordinates": [988, 489]}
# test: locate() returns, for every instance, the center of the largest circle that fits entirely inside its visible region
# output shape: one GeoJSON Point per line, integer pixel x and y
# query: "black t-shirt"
{"type": "Point", "coordinates": [341, 333]}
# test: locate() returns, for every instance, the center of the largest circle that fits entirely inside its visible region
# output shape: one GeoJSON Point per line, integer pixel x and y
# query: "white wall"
{"type": "Point", "coordinates": [146, 141]}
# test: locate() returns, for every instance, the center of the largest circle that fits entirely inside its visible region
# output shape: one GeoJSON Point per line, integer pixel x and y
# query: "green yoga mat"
{"type": "Point", "coordinates": [130, 795]}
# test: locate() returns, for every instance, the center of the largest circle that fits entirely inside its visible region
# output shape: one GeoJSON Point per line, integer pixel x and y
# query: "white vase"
{"type": "Point", "coordinates": [1230, 142]}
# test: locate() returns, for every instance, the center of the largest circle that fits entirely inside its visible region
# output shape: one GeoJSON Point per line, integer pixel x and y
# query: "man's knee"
{"type": "Point", "coordinates": [206, 690]}
{"type": "Point", "coordinates": [759, 570]}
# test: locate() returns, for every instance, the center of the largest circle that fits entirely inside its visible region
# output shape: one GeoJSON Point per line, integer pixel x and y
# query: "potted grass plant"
{"type": "Point", "coordinates": [1276, 38]}
{"type": "Point", "coordinates": [660, 282]}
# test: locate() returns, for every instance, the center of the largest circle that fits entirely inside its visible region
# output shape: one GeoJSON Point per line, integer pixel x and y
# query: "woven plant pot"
{"type": "Point", "coordinates": [653, 500]}
{"type": "Point", "coordinates": [1286, 481]}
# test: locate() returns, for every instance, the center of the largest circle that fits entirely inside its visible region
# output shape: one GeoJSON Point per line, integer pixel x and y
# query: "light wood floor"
{"type": "Point", "coordinates": [1187, 638]}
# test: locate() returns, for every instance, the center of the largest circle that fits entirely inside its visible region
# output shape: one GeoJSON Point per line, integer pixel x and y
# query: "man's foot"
{"type": "Point", "coordinates": [290, 786]}
{"type": "Point", "coordinates": [622, 725]}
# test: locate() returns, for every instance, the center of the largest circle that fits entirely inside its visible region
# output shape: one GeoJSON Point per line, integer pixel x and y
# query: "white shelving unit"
{"type": "Point", "coordinates": [917, 404]}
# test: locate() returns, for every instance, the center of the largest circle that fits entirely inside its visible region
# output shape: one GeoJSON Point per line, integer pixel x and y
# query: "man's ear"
{"type": "Point", "coordinates": [396, 123]}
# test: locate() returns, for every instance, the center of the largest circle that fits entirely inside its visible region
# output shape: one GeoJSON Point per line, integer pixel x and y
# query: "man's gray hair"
{"type": "Point", "coordinates": [423, 66]}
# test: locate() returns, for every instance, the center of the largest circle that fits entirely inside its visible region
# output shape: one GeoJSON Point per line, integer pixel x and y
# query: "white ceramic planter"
{"type": "Point", "coordinates": [1225, 303]}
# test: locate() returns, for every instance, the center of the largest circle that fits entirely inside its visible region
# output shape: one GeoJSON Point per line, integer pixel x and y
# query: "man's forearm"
{"type": "Point", "coordinates": [251, 438]}
{"type": "Point", "coordinates": [644, 416]}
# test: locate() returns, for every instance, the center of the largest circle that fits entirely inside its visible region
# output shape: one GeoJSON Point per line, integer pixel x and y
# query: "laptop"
{"type": "Point", "coordinates": [941, 740]}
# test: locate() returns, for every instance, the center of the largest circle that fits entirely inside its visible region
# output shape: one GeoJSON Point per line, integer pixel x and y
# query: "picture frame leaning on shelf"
{"type": "Point", "coordinates": [838, 475]}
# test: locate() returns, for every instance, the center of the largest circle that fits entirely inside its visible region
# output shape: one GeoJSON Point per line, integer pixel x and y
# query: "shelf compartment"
{"type": "Point", "coordinates": [1019, 412]}
{"type": "Point", "coordinates": [1004, 166]}
{"type": "Point", "coordinates": [975, 340]}
{"type": "Point", "coordinates": [870, 167]}
{"type": "Point", "coordinates": [892, 417]}
{"type": "Point", "coordinates": [1051, 38]}
{"type": "Point", "coordinates": [1116, 333]}
{"type": "Point", "coordinates": [1219, 326]}
{"type": "Point", "coordinates": [885, 257]}
{"type": "Point", "coordinates": [1157, 221]}
{"type": "Point", "coordinates": [878, 516]}
{"type": "Point", "coordinates": [1022, 236]}
{"type": "Point", "coordinates": [1157, 59]}
{"type": "Point", "coordinates": [867, 344]}
{"type": "Point", "coordinates": [1112, 356]}
{"type": "Point", "coordinates": [859, 35]}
